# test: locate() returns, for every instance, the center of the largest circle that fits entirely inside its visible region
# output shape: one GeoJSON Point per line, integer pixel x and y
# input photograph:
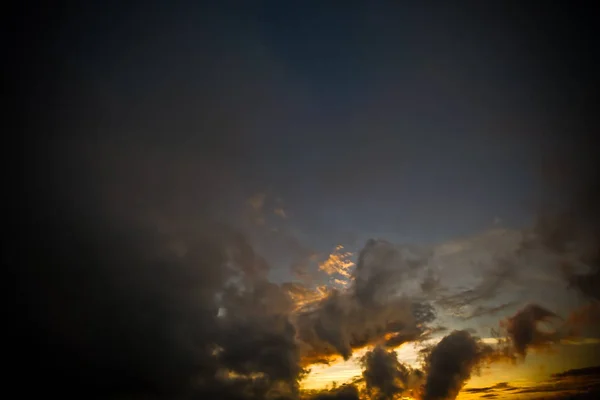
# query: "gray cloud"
{"type": "Point", "coordinates": [490, 310]}
{"type": "Point", "coordinates": [448, 366]}
{"type": "Point", "coordinates": [124, 285]}
{"type": "Point", "coordinates": [385, 376]}
{"type": "Point", "coordinates": [344, 392]}
{"type": "Point", "coordinates": [523, 330]}
{"type": "Point", "coordinates": [112, 310]}
{"type": "Point", "coordinates": [570, 225]}
{"type": "Point", "coordinates": [370, 309]}
{"type": "Point", "coordinates": [161, 301]}
{"type": "Point", "coordinates": [504, 270]}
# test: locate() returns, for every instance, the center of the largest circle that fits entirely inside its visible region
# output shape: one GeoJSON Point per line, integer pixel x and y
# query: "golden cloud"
{"type": "Point", "coordinates": [338, 262]}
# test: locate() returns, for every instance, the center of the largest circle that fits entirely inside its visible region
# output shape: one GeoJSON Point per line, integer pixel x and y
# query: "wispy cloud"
{"type": "Point", "coordinates": [338, 263]}
{"type": "Point", "coordinates": [501, 386]}
{"type": "Point", "coordinates": [581, 383]}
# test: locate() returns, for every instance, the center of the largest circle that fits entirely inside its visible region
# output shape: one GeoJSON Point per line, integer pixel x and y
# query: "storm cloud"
{"type": "Point", "coordinates": [370, 311]}
{"type": "Point", "coordinates": [114, 310]}
{"type": "Point", "coordinates": [385, 376]}
{"type": "Point", "coordinates": [134, 273]}
{"type": "Point", "coordinates": [119, 300]}
{"type": "Point", "coordinates": [524, 331]}
{"type": "Point", "coordinates": [449, 365]}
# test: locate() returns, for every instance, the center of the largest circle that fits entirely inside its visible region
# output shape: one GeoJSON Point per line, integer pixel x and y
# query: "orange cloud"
{"type": "Point", "coordinates": [338, 263]}
{"type": "Point", "coordinates": [303, 297]}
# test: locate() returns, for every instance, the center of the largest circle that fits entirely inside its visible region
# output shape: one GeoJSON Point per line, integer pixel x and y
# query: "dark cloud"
{"type": "Point", "coordinates": [344, 392]}
{"type": "Point", "coordinates": [430, 282]}
{"type": "Point", "coordinates": [582, 383]}
{"type": "Point", "coordinates": [523, 329]}
{"type": "Point", "coordinates": [123, 271]}
{"type": "Point", "coordinates": [448, 366]}
{"type": "Point", "coordinates": [125, 290]}
{"type": "Point", "coordinates": [499, 386]}
{"type": "Point", "coordinates": [258, 337]}
{"type": "Point", "coordinates": [385, 376]}
{"type": "Point", "coordinates": [111, 310]}
{"type": "Point", "coordinates": [380, 269]}
{"type": "Point", "coordinates": [569, 219]}
{"type": "Point", "coordinates": [584, 387]}
{"type": "Point", "coordinates": [588, 284]}
{"type": "Point", "coordinates": [137, 140]}
{"type": "Point", "coordinates": [591, 394]}
{"type": "Point", "coordinates": [502, 385]}
{"type": "Point", "coordinates": [370, 310]}
{"type": "Point", "coordinates": [589, 371]}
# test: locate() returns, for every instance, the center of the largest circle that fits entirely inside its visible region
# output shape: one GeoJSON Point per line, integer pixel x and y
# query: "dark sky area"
{"type": "Point", "coordinates": [280, 129]}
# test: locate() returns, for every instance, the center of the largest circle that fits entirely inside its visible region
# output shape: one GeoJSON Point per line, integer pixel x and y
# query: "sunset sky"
{"type": "Point", "coordinates": [305, 200]}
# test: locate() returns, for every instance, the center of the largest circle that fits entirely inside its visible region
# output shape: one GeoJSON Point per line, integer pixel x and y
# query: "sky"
{"type": "Point", "coordinates": [254, 200]}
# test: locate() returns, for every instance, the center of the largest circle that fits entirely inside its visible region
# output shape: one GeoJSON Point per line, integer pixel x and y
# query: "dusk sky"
{"type": "Point", "coordinates": [304, 200]}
